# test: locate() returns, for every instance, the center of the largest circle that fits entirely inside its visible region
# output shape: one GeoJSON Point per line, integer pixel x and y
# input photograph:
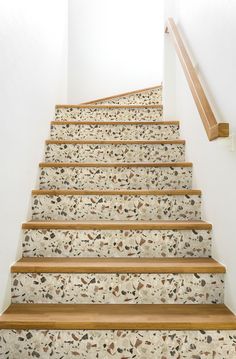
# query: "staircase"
{"type": "Point", "coordinates": [116, 259]}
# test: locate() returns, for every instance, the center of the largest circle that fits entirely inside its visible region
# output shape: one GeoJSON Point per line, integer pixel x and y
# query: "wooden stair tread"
{"type": "Point", "coordinates": [115, 142]}
{"type": "Point", "coordinates": [116, 164]}
{"type": "Point", "coordinates": [115, 123]}
{"type": "Point", "coordinates": [108, 106]}
{"type": "Point", "coordinates": [69, 192]}
{"type": "Point", "coordinates": [118, 316]}
{"type": "Point", "coordinates": [126, 225]}
{"type": "Point", "coordinates": [116, 265]}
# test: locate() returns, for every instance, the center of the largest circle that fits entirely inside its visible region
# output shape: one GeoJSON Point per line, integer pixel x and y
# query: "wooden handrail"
{"type": "Point", "coordinates": [212, 127]}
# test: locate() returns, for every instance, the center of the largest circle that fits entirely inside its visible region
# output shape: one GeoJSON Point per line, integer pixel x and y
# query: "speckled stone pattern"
{"type": "Point", "coordinates": [117, 344]}
{"type": "Point", "coordinates": [107, 153]}
{"type": "Point", "coordinates": [102, 178]}
{"type": "Point", "coordinates": [108, 114]}
{"type": "Point", "coordinates": [116, 207]}
{"type": "Point", "coordinates": [118, 288]}
{"type": "Point", "coordinates": [149, 97]}
{"type": "Point", "coordinates": [116, 132]}
{"type": "Point", "coordinates": [116, 243]}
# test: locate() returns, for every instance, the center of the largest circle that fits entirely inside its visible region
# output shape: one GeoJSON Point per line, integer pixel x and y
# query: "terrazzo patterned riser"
{"type": "Point", "coordinates": [116, 132]}
{"type": "Point", "coordinates": [149, 97]}
{"type": "Point", "coordinates": [101, 178]}
{"type": "Point", "coordinates": [107, 153]}
{"type": "Point", "coordinates": [117, 344]}
{"type": "Point", "coordinates": [108, 114]}
{"type": "Point", "coordinates": [116, 243]}
{"type": "Point", "coordinates": [116, 207]}
{"type": "Point", "coordinates": [118, 288]}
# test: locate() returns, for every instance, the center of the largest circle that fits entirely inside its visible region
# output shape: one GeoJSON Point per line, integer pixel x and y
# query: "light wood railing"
{"type": "Point", "coordinates": [213, 128]}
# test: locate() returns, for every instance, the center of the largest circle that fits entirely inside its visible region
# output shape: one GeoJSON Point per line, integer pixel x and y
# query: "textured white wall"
{"type": "Point", "coordinates": [33, 69]}
{"type": "Point", "coordinates": [209, 29]}
{"type": "Point", "coordinates": [114, 46]}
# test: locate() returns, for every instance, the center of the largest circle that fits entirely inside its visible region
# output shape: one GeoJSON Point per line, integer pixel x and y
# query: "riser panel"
{"type": "Point", "coordinates": [116, 207]}
{"type": "Point", "coordinates": [104, 344]}
{"type": "Point", "coordinates": [116, 243]}
{"type": "Point", "coordinates": [101, 178]}
{"type": "Point", "coordinates": [108, 114]}
{"type": "Point", "coordinates": [107, 153]}
{"type": "Point", "coordinates": [118, 288]}
{"type": "Point", "coordinates": [114, 132]}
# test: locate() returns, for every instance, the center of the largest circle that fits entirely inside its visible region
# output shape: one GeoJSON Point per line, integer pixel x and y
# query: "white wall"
{"type": "Point", "coordinates": [114, 46]}
{"type": "Point", "coordinates": [169, 67]}
{"type": "Point", "coordinates": [209, 29]}
{"type": "Point", "coordinates": [33, 68]}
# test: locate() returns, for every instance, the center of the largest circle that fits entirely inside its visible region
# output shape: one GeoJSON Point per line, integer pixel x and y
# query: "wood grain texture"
{"type": "Point", "coordinates": [121, 95]}
{"type": "Point", "coordinates": [75, 192]}
{"type": "Point", "coordinates": [128, 164]}
{"type": "Point", "coordinates": [117, 265]}
{"type": "Point", "coordinates": [213, 129]}
{"type": "Point", "coordinates": [116, 225]}
{"type": "Point", "coordinates": [118, 316]}
{"type": "Point", "coordinates": [115, 142]}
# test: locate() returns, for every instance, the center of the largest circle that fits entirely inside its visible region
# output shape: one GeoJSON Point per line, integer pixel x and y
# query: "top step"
{"type": "Point", "coordinates": [147, 96]}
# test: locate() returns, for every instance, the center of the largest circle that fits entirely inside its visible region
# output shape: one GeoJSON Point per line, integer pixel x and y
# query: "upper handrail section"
{"type": "Point", "coordinates": [213, 128]}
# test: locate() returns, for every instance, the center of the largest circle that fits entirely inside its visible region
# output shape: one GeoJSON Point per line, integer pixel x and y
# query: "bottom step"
{"type": "Point", "coordinates": [82, 332]}
{"type": "Point", "coordinates": [118, 316]}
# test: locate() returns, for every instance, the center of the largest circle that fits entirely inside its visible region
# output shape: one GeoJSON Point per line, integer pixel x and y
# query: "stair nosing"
{"type": "Point", "coordinates": [116, 164]}
{"type": "Point", "coordinates": [107, 106]}
{"type": "Point", "coordinates": [115, 142]}
{"type": "Point", "coordinates": [132, 225]}
{"type": "Point", "coordinates": [115, 123]}
{"type": "Point", "coordinates": [117, 265]}
{"type": "Point", "coordinates": [115, 316]}
{"type": "Point", "coordinates": [65, 192]}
